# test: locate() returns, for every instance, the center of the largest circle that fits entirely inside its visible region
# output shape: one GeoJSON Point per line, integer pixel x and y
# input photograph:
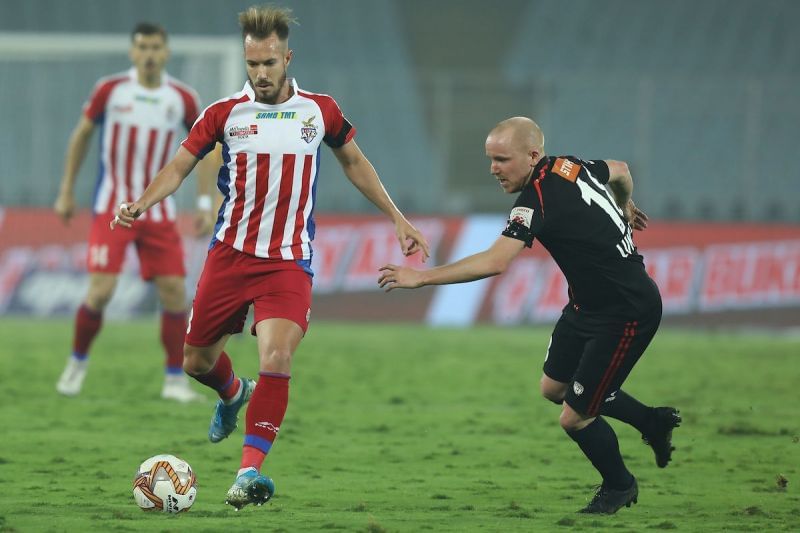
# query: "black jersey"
{"type": "Point", "coordinates": [568, 209]}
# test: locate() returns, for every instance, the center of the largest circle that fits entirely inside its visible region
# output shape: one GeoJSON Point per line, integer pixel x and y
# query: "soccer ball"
{"type": "Point", "coordinates": [165, 483]}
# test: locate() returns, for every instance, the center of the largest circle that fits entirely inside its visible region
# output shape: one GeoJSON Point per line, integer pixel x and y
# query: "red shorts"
{"type": "Point", "coordinates": [158, 246]}
{"type": "Point", "coordinates": [232, 280]}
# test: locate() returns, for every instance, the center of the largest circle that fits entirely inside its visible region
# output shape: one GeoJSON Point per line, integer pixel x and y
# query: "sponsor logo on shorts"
{"type": "Point", "coordinates": [578, 388]}
{"type": "Point", "coordinates": [612, 397]}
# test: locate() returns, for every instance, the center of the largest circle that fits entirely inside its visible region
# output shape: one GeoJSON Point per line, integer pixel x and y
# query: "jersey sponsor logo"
{"type": "Point", "coordinates": [123, 108]}
{"type": "Point", "coordinates": [146, 99]}
{"type": "Point", "coordinates": [276, 115]}
{"type": "Point", "coordinates": [566, 169]}
{"type": "Point", "coordinates": [578, 388]}
{"type": "Point", "coordinates": [243, 132]}
{"type": "Point", "coordinates": [309, 131]}
{"type": "Point", "coordinates": [521, 215]}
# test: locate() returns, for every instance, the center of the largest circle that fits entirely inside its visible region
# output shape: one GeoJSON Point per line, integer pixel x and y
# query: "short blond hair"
{"type": "Point", "coordinates": [259, 22]}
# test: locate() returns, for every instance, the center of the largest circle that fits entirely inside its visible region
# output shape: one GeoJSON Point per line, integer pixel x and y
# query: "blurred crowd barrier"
{"type": "Point", "coordinates": [709, 273]}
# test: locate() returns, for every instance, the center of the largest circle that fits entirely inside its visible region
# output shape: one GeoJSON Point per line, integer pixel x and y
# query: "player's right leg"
{"type": "Point", "coordinates": [88, 321]}
{"type": "Point", "coordinates": [212, 367]}
{"type": "Point", "coordinates": [562, 357]}
{"type": "Point", "coordinates": [219, 310]}
{"type": "Point", "coordinates": [654, 423]}
{"type": "Point", "coordinates": [105, 255]}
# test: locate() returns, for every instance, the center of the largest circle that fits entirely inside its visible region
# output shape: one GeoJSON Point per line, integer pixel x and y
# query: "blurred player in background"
{"type": "Point", "coordinates": [271, 133]}
{"type": "Point", "coordinates": [614, 307]}
{"type": "Point", "coordinates": [140, 113]}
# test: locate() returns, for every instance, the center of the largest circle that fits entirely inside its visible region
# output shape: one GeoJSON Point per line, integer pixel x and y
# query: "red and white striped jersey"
{"type": "Point", "coordinates": [138, 136]}
{"type": "Point", "coordinates": [270, 167]}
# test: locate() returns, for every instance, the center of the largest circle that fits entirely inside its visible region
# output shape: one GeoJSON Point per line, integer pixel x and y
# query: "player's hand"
{"type": "Point", "coordinates": [406, 232]}
{"type": "Point", "coordinates": [399, 277]}
{"type": "Point", "coordinates": [64, 207]}
{"type": "Point", "coordinates": [127, 212]}
{"type": "Point", "coordinates": [204, 222]}
{"type": "Point", "coordinates": [636, 217]}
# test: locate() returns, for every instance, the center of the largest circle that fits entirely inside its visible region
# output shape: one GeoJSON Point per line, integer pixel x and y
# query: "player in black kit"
{"type": "Point", "coordinates": [614, 307]}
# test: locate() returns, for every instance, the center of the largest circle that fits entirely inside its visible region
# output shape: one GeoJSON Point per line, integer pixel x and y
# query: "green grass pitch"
{"type": "Point", "coordinates": [400, 428]}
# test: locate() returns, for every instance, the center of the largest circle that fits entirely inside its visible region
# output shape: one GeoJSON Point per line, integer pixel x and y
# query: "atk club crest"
{"type": "Point", "coordinates": [309, 130]}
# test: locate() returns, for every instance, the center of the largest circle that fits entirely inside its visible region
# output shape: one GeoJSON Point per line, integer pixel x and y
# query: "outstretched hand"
{"type": "Point", "coordinates": [126, 214]}
{"type": "Point", "coordinates": [406, 232]}
{"type": "Point", "coordinates": [398, 277]}
{"type": "Point", "coordinates": [636, 217]}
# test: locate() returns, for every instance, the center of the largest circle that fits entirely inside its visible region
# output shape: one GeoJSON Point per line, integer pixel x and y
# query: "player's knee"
{"type": "Point", "coordinates": [172, 294]}
{"type": "Point", "coordinates": [276, 359]}
{"type": "Point", "coordinates": [98, 297]}
{"type": "Point", "coordinates": [552, 391]}
{"type": "Point", "coordinates": [194, 361]}
{"type": "Point", "coordinates": [571, 420]}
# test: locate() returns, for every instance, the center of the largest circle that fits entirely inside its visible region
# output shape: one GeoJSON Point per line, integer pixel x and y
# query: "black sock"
{"type": "Point", "coordinates": [628, 409]}
{"type": "Point", "coordinates": [599, 444]}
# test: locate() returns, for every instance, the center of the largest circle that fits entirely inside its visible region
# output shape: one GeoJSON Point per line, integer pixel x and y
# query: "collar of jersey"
{"type": "Point", "coordinates": [248, 90]}
{"type": "Point", "coordinates": [134, 76]}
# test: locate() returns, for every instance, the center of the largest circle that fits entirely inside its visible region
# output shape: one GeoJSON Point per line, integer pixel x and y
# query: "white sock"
{"type": "Point", "coordinates": [243, 470]}
{"type": "Point", "coordinates": [236, 396]}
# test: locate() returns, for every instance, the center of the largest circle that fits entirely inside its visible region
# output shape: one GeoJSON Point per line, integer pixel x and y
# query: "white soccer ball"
{"type": "Point", "coordinates": [165, 483]}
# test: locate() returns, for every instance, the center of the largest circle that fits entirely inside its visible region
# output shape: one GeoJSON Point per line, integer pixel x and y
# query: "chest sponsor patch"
{"type": "Point", "coordinates": [566, 169]}
{"type": "Point", "coordinates": [521, 215]}
{"type": "Point", "coordinates": [243, 132]}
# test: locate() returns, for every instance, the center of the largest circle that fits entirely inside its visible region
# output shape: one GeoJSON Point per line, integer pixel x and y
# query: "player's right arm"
{"type": "Point", "coordinates": [166, 182]}
{"type": "Point", "coordinates": [202, 139]}
{"type": "Point", "coordinates": [490, 262]}
{"type": "Point", "coordinates": [64, 205]}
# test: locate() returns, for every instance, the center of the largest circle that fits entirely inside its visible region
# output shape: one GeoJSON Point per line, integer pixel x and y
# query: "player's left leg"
{"type": "Point", "coordinates": [172, 295]}
{"type": "Point", "coordinates": [654, 423]}
{"type": "Point", "coordinates": [160, 252]}
{"type": "Point", "coordinates": [278, 338]}
{"type": "Point", "coordinates": [282, 310]}
{"type": "Point", "coordinates": [599, 444]}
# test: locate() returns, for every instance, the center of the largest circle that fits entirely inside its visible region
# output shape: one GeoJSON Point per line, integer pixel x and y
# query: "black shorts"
{"type": "Point", "coordinates": [594, 355]}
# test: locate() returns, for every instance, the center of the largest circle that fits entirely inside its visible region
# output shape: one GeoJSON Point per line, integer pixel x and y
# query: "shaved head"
{"type": "Point", "coordinates": [522, 133]}
{"type": "Point", "coordinates": [514, 147]}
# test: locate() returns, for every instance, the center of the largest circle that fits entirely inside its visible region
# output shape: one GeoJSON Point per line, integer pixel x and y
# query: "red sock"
{"type": "Point", "coordinates": [87, 324]}
{"type": "Point", "coordinates": [221, 378]}
{"type": "Point", "coordinates": [173, 331]}
{"type": "Point", "coordinates": [264, 417]}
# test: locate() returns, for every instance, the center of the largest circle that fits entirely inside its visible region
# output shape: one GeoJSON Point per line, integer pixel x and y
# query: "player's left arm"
{"type": "Point", "coordinates": [362, 174]}
{"type": "Point", "coordinates": [620, 182]}
{"type": "Point", "coordinates": [490, 262]}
